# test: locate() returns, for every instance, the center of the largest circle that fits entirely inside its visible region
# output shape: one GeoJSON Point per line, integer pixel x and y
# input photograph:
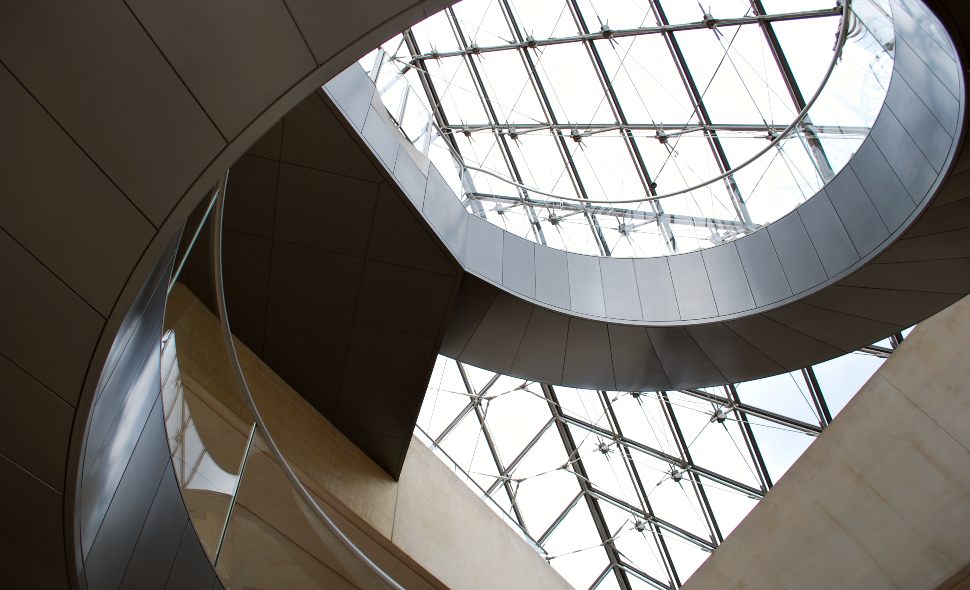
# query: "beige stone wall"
{"type": "Point", "coordinates": [882, 498]}
{"type": "Point", "coordinates": [428, 529]}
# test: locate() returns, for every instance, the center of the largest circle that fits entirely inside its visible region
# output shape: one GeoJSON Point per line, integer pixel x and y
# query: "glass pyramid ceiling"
{"type": "Point", "coordinates": [638, 127]}
{"type": "Point", "coordinates": [630, 489]}
{"type": "Point", "coordinates": [635, 128]}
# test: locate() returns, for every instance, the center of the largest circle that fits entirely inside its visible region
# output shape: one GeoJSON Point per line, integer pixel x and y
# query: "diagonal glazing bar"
{"type": "Point", "coordinates": [599, 521]}
{"type": "Point", "coordinates": [522, 454]}
{"type": "Point", "coordinates": [551, 118]}
{"type": "Point", "coordinates": [653, 519]}
{"type": "Point", "coordinates": [698, 487]}
{"type": "Point", "coordinates": [490, 443]}
{"type": "Point", "coordinates": [672, 460]}
{"type": "Point", "coordinates": [811, 138]}
{"type": "Point", "coordinates": [780, 419]}
{"type": "Point", "coordinates": [492, 115]}
{"type": "Point", "coordinates": [633, 472]}
{"type": "Point", "coordinates": [700, 111]}
{"type": "Point", "coordinates": [749, 439]}
{"type": "Point", "coordinates": [649, 187]}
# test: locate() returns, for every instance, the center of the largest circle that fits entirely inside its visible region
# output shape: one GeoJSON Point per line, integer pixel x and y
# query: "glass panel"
{"type": "Point", "coordinates": [841, 378]}
{"type": "Point", "coordinates": [785, 394]}
{"type": "Point", "coordinates": [780, 446]}
{"type": "Point", "coordinates": [575, 549]}
{"type": "Point", "coordinates": [207, 422]}
{"type": "Point", "coordinates": [646, 134]}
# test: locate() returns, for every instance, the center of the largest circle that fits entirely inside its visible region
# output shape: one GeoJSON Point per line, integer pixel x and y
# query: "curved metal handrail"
{"type": "Point", "coordinates": [301, 490]}
{"type": "Point", "coordinates": [839, 45]}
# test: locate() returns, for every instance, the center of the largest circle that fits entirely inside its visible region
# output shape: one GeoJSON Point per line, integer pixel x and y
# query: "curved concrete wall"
{"type": "Point", "coordinates": [778, 299]}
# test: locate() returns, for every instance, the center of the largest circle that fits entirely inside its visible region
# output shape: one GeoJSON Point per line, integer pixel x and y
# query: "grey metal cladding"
{"type": "Point", "coordinates": [951, 275]}
{"type": "Point", "coordinates": [684, 363]}
{"type": "Point", "coordinates": [932, 139]}
{"type": "Point", "coordinates": [29, 408]}
{"type": "Point", "coordinates": [411, 179]}
{"type": "Point", "coordinates": [497, 338]}
{"type": "Point", "coordinates": [843, 331]}
{"type": "Point", "coordinates": [828, 235]}
{"type": "Point", "coordinates": [483, 249]}
{"type": "Point", "coordinates": [52, 213]}
{"type": "Point", "coordinates": [585, 284]}
{"type": "Point", "coordinates": [734, 357]}
{"type": "Point", "coordinates": [376, 410]}
{"type": "Point", "coordinates": [912, 168]}
{"type": "Point", "coordinates": [692, 286]}
{"type": "Point", "coordinates": [588, 358]}
{"type": "Point", "coordinates": [473, 301]}
{"type": "Point", "coordinates": [957, 186]}
{"type": "Point", "coordinates": [635, 362]}
{"type": "Point", "coordinates": [127, 107]}
{"type": "Point", "coordinates": [552, 277]}
{"type": "Point", "coordinates": [445, 213]}
{"type": "Point", "coordinates": [929, 247]}
{"type": "Point", "coordinates": [519, 265]}
{"type": "Point", "coordinates": [796, 253]}
{"type": "Point", "coordinates": [620, 289]}
{"type": "Point", "coordinates": [936, 51]}
{"type": "Point", "coordinates": [728, 281]}
{"type": "Point", "coordinates": [109, 468]}
{"type": "Point", "coordinates": [191, 569]}
{"type": "Point", "coordinates": [106, 561]}
{"type": "Point", "coordinates": [543, 350]}
{"type": "Point", "coordinates": [656, 288]}
{"type": "Point", "coordinates": [933, 92]}
{"type": "Point", "coordinates": [934, 220]}
{"type": "Point", "coordinates": [381, 136]}
{"type": "Point", "coordinates": [48, 307]}
{"type": "Point", "coordinates": [891, 199]}
{"type": "Point", "coordinates": [117, 379]}
{"type": "Point", "coordinates": [394, 359]}
{"type": "Point", "coordinates": [258, 43]}
{"type": "Point", "coordinates": [924, 18]}
{"type": "Point", "coordinates": [789, 348]}
{"type": "Point", "coordinates": [32, 514]}
{"type": "Point", "coordinates": [352, 91]}
{"type": "Point", "coordinates": [763, 268]}
{"type": "Point", "coordinates": [859, 216]}
{"type": "Point", "coordinates": [891, 306]}
{"type": "Point", "coordinates": [158, 543]}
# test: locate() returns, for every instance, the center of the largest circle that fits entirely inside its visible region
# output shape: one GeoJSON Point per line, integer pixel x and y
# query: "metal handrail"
{"type": "Point", "coordinates": [299, 488]}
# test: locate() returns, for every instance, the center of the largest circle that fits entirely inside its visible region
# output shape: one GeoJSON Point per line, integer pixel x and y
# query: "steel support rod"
{"type": "Point", "coordinates": [599, 521]}
{"type": "Point", "coordinates": [529, 42]}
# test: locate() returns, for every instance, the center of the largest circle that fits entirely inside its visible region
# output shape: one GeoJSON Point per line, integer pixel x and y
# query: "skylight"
{"type": "Point", "coordinates": [635, 128]}
{"type": "Point", "coordinates": [625, 128]}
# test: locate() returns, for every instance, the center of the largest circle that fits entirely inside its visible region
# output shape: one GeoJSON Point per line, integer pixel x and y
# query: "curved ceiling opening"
{"type": "Point", "coordinates": [636, 129]}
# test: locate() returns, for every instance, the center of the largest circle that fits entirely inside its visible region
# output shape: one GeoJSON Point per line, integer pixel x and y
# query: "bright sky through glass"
{"type": "Point", "coordinates": [615, 100]}
{"type": "Point", "coordinates": [545, 104]}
